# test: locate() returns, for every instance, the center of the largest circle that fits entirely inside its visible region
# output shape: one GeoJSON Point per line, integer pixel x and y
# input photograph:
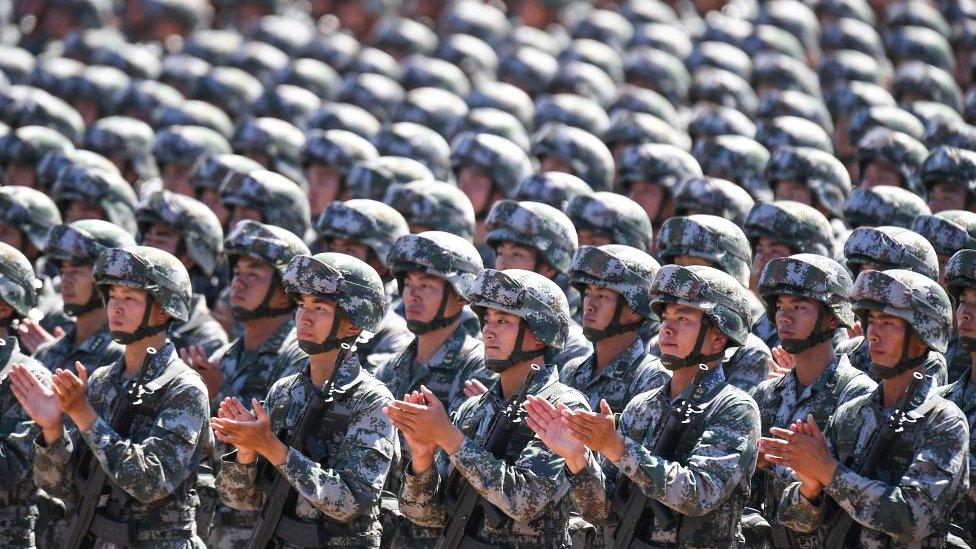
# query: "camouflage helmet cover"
{"type": "Point", "coordinates": [713, 196]}
{"type": "Point", "coordinates": [722, 298]}
{"type": "Point", "coordinates": [107, 189]}
{"type": "Point", "coordinates": [623, 269]}
{"type": "Point", "coordinates": [709, 237]}
{"type": "Point", "coordinates": [373, 223]}
{"type": "Point", "coordinates": [949, 230]}
{"type": "Point", "coordinates": [280, 200]}
{"type": "Point", "coordinates": [441, 254]}
{"type": "Point", "coordinates": [18, 284]}
{"type": "Point", "coordinates": [266, 243]}
{"type": "Point", "coordinates": [810, 276]}
{"type": "Point", "coordinates": [883, 205]}
{"type": "Point", "coordinates": [83, 241]}
{"type": "Point", "coordinates": [617, 216]}
{"type": "Point", "coordinates": [29, 210]}
{"type": "Point", "coordinates": [960, 272]}
{"type": "Point", "coordinates": [199, 227]}
{"type": "Point", "coordinates": [553, 188]}
{"type": "Point", "coordinates": [915, 298]}
{"type": "Point", "coordinates": [891, 248]}
{"type": "Point", "coordinates": [538, 301]}
{"type": "Point", "coordinates": [354, 286]}
{"type": "Point", "coordinates": [503, 160]}
{"type": "Point", "coordinates": [372, 178]}
{"type": "Point", "coordinates": [160, 274]}
{"type": "Point", "coordinates": [535, 225]}
{"type": "Point", "coordinates": [802, 228]}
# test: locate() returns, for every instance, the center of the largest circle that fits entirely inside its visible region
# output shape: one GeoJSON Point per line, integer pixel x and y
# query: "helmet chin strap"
{"type": "Point", "coordinates": [695, 357]}
{"type": "Point", "coordinates": [94, 302]}
{"type": "Point", "coordinates": [330, 342]}
{"type": "Point", "coordinates": [967, 343]}
{"type": "Point", "coordinates": [517, 355]}
{"type": "Point", "coordinates": [439, 321]}
{"type": "Point", "coordinates": [794, 346]}
{"type": "Point", "coordinates": [614, 327]}
{"type": "Point", "coordinates": [880, 371]}
{"type": "Point", "coordinates": [264, 310]}
{"type": "Point", "coordinates": [143, 331]}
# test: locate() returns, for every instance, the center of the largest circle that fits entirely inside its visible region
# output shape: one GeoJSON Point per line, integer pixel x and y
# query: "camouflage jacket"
{"type": "Point", "coordinates": [95, 351]}
{"type": "Point", "coordinates": [745, 367]}
{"type": "Point", "coordinates": [528, 486]}
{"type": "Point", "coordinates": [958, 359]}
{"type": "Point", "coordinates": [765, 329]}
{"type": "Point", "coordinates": [341, 474]}
{"type": "Point", "coordinates": [963, 394]}
{"type": "Point", "coordinates": [377, 349]}
{"type": "Point", "coordinates": [249, 374]}
{"type": "Point", "coordinates": [153, 468]}
{"type": "Point", "coordinates": [911, 510]}
{"type": "Point", "coordinates": [17, 432]}
{"type": "Point", "coordinates": [783, 401]}
{"type": "Point", "coordinates": [577, 347]}
{"type": "Point", "coordinates": [202, 329]}
{"type": "Point", "coordinates": [631, 372]}
{"type": "Point", "coordinates": [706, 486]}
{"type": "Point", "coordinates": [857, 351]}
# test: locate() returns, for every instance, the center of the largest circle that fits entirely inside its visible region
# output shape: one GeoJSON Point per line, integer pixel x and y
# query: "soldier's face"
{"type": "Point", "coordinates": [81, 209]}
{"type": "Point", "coordinates": [19, 174]}
{"type": "Point", "coordinates": [796, 191]}
{"type": "Point", "coordinates": [796, 317]}
{"type": "Point", "coordinates": [535, 14]}
{"type": "Point", "coordinates": [240, 213]}
{"type": "Point", "coordinates": [164, 237]}
{"type": "Point", "coordinates": [500, 331]}
{"type": "Point", "coordinates": [966, 313]}
{"type": "Point", "coordinates": [477, 185]}
{"type": "Point", "coordinates": [652, 197]}
{"type": "Point", "coordinates": [348, 246]}
{"type": "Point", "coordinates": [679, 332]}
{"type": "Point", "coordinates": [324, 184]}
{"type": "Point", "coordinates": [314, 317]}
{"type": "Point", "coordinates": [76, 282]}
{"type": "Point", "coordinates": [509, 255]}
{"type": "Point", "coordinates": [422, 294]}
{"type": "Point", "coordinates": [947, 195]}
{"type": "Point", "coordinates": [250, 282]}
{"type": "Point", "coordinates": [599, 305]}
{"type": "Point", "coordinates": [766, 250]}
{"type": "Point", "coordinates": [886, 339]}
{"type": "Point", "coordinates": [12, 236]}
{"type": "Point", "coordinates": [876, 173]}
{"type": "Point", "coordinates": [211, 198]}
{"type": "Point", "coordinates": [176, 177]}
{"type": "Point", "coordinates": [553, 163]}
{"type": "Point", "coordinates": [126, 307]}
{"type": "Point", "coordinates": [593, 238]}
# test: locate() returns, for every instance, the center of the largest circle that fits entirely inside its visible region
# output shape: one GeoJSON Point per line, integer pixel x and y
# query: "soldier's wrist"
{"type": "Point", "coordinates": [52, 435]}
{"type": "Point", "coordinates": [577, 462]}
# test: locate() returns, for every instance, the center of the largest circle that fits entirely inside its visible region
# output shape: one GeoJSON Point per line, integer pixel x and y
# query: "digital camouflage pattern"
{"type": "Point", "coordinates": [528, 485]}
{"type": "Point", "coordinates": [373, 178]}
{"type": "Point", "coordinates": [503, 160]}
{"type": "Point", "coordinates": [912, 297]}
{"type": "Point", "coordinates": [538, 301]}
{"type": "Point", "coordinates": [896, 150]}
{"type": "Point", "coordinates": [438, 253]}
{"type": "Point", "coordinates": [810, 276]}
{"type": "Point", "coordinates": [341, 474]}
{"type": "Point", "coordinates": [962, 393]}
{"type": "Point", "coordinates": [706, 485]}
{"type": "Point", "coordinates": [278, 140]}
{"type": "Point", "coordinates": [200, 231]}
{"type": "Point", "coordinates": [821, 171]}
{"type": "Point", "coordinates": [950, 164]}
{"type": "Point", "coordinates": [154, 468]}
{"type": "Point", "coordinates": [19, 285]}
{"type": "Point", "coordinates": [538, 226]}
{"type": "Point", "coordinates": [188, 144]}
{"type": "Point", "coordinates": [960, 272]}
{"type": "Point", "coordinates": [83, 241]}
{"type": "Point", "coordinates": [883, 205]}
{"type": "Point", "coordinates": [17, 432]}
{"type": "Point", "coordinates": [281, 201]}
{"type": "Point", "coordinates": [626, 270]}
{"type": "Point", "coordinates": [372, 223]}
{"type": "Point", "coordinates": [215, 170]}
{"type": "Point", "coordinates": [724, 301]}
{"type": "Point", "coordinates": [913, 509]}
{"type": "Point", "coordinates": [620, 218]}
{"type": "Point", "coordinates": [891, 248]}
{"type": "Point", "coordinates": [590, 159]}
{"type": "Point", "coordinates": [126, 138]}
{"type": "Point", "coordinates": [103, 188]}
{"type": "Point", "coordinates": [201, 329]}
{"type": "Point", "coordinates": [266, 243]}
{"type": "Point", "coordinates": [627, 375]}
{"type": "Point", "coordinates": [430, 205]}
{"type": "Point", "coordinates": [27, 144]}
{"type": "Point", "coordinates": [351, 283]}
{"type": "Point", "coordinates": [785, 400]}
{"type": "Point", "coordinates": [709, 237]}
{"type": "Point", "coordinates": [160, 274]}
{"type": "Point", "coordinates": [628, 128]}
{"type": "Point", "coordinates": [713, 196]}
{"type": "Point", "coordinates": [665, 165]}
{"type": "Point", "coordinates": [421, 143]}
{"type": "Point", "coordinates": [553, 188]}
{"type": "Point", "coordinates": [29, 210]}
{"type": "Point", "coordinates": [801, 228]}
{"type": "Point", "coordinates": [859, 353]}
{"type": "Point", "coordinates": [948, 231]}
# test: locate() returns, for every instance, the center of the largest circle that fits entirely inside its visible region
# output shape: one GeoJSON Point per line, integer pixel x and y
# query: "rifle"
{"type": "Point", "coordinates": [841, 525]}
{"type": "Point", "coordinates": [468, 507]}
{"type": "Point", "coordinates": [630, 502]}
{"type": "Point", "coordinates": [281, 495]}
{"type": "Point", "coordinates": [93, 478]}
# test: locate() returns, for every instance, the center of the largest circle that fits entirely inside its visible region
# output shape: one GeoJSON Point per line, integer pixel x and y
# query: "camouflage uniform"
{"type": "Point", "coordinates": [527, 484]}
{"type": "Point", "coordinates": [153, 471]}
{"type": "Point", "coordinates": [705, 482]}
{"type": "Point", "coordinates": [249, 374]}
{"type": "Point", "coordinates": [785, 400]}
{"type": "Point", "coordinates": [340, 473]}
{"type": "Point", "coordinates": [923, 472]}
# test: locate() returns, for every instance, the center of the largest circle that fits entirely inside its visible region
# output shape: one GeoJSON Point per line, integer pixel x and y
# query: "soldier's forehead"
{"type": "Point", "coordinates": [122, 289]}
{"type": "Point", "coordinates": [680, 308]}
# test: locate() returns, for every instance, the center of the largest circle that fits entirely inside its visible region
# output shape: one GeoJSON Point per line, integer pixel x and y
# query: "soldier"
{"type": "Point", "coordinates": [892, 464]}
{"type": "Point", "coordinates": [518, 483]}
{"type": "Point", "coordinates": [186, 228]}
{"type": "Point", "coordinates": [336, 475]}
{"type": "Point", "coordinates": [808, 296]}
{"type": "Point", "coordinates": [367, 230]}
{"type": "Point", "coordinates": [684, 475]}
{"type": "Point", "coordinates": [949, 177]}
{"type": "Point", "coordinates": [327, 159]}
{"type": "Point", "coordinates": [429, 205]}
{"type": "Point", "coordinates": [266, 197]}
{"type": "Point", "coordinates": [717, 242]}
{"type": "Point", "coordinates": [273, 143]}
{"type": "Point", "coordinates": [434, 270]}
{"type": "Point", "coordinates": [265, 352]}
{"type": "Point", "coordinates": [91, 193]}
{"type": "Point", "coordinates": [812, 177]}
{"type": "Point", "coordinates": [961, 282]}
{"type": "Point", "coordinates": [563, 148]}
{"type": "Point", "coordinates": [651, 173]}
{"type": "Point", "coordinates": [883, 248]}
{"type": "Point", "coordinates": [553, 188]}
{"type": "Point", "coordinates": [128, 143]}
{"type": "Point", "coordinates": [22, 149]}
{"type": "Point", "coordinates": [373, 178]}
{"type": "Point", "coordinates": [152, 469]}
{"type": "Point", "coordinates": [883, 205]}
{"type": "Point", "coordinates": [713, 196]}
{"type": "Point", "coordinates": [539, 238]}
{"type": "Point", "coordinates": [609, 218]}
{"type": "Point", "coordinates": [19, 492]}
{"type": "Point", "coordinates": [211, 174]}
{"type": "Point", "coordinates": [178, 150]}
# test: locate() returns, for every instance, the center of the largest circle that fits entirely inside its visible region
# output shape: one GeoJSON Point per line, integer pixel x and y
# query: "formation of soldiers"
{"type": "Point", "coordinates": [465, 274]}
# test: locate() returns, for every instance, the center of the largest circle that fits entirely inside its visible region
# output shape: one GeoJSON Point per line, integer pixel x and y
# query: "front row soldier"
{"type": "Point", "coordinates": [18, 491]}
{"type": "Point", "coordinates": [483, 479]}
{"type": "Point", "coordinates": [139, 428]}
{"type": "Point", "coordinates": [676, 471]}
{"type": "Point", "coordinates": [960, 279]}
{"type": "Point", "coordinates": [808, 298]}
{"type": "Point", "coordinates": [892, 465]}
{"type": "Point", "coordinates": [314, 457]}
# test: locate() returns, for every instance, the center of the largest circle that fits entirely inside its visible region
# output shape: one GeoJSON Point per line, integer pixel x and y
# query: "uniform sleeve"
{"type": "Point", "coordinates": [17, 433]}
{"type": "Point", "coordinates": [237, 484]}
{"type": "Point", "coordinates": [420, 497]}
{"type": "Point", "coordinates": [591, 491]}
{"type": "Point", "coordinates": [724, 456]}
{"type": "Point", "coordinates": [52, 466]}
{"type": "Point", "coordinates": [524, 489]}
{"type": "Point", "coordinates": [353, 485]}
{"type": "Point", "coordinates": [797, 512]}
{"type": "Point", "coordinates": [152, 469]}
{"type": "Point", "coordinates": [923, 496]}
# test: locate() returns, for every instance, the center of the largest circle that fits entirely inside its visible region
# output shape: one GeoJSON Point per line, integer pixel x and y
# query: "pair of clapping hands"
{"type": "Point", "coordinates": [803, 447]}
{"type": "Point", "coordinates": [47, 406]}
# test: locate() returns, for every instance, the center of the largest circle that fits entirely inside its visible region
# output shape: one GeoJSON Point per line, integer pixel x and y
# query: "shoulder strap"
{"type": "Point", "coordinates": [835, 387]}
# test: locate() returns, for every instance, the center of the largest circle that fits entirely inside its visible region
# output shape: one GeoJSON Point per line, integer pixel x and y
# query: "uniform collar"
{"type": "Point", "coordinates": [621, 365]}
{"type": "Point", "coordinates": [156, 365]}
{"type": "Point", "coordinates": [346, 375]}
